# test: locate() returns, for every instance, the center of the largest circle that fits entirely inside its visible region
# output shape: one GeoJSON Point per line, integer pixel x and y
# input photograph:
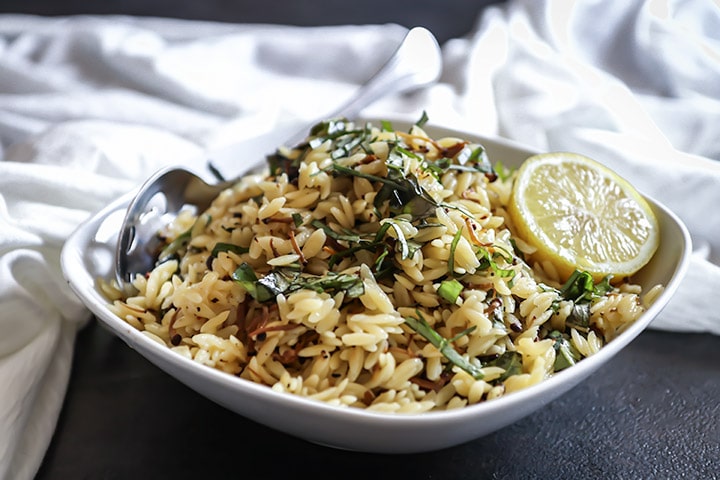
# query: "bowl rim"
{"type": "Point", "coordinates": [73, 268]}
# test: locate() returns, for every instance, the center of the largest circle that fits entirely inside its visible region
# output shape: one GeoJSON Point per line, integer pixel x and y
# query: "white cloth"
{"type": "Point", "coordinates": [89, 106]}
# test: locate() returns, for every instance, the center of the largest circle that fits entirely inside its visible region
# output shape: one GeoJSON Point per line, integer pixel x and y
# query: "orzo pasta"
{"type": "Point", "coordinates": [372, 268]}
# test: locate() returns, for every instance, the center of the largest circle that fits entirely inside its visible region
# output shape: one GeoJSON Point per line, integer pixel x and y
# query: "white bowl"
{"type": "Point", "coordinates": [88, 255]}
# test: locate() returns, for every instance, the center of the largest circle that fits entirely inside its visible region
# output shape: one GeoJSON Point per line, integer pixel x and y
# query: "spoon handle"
{"type": "Point", "coordinates": [416, 62]}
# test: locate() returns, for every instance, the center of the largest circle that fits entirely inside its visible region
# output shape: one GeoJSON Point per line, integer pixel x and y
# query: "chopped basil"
{"type": "Point", "coordinates": [246, 277]}
{"type": "Point", "coordinates": [181, 241]}
{"type": "Point", "coordinates": [287, 280]}
{"type": "Point", "coordinates": [444, 345]}
{"type": "Point", "coordinates": [407, 153]}
{"type": "Point", "coordinates": [404, 194]}
{"type": "Point", "coordinates": [348, 237]}
{"type": "Point", "coordinates": [565, 354]}
{"type": "Point", "coordinates": [172, 248]}
{"type": "Point", "coordinates": [502, 171]}
{"type": "Point", "coordinates": [352, 285]}
{"type": "Point", "coordinates": [378, 269]}
{"type": "Point", "coordinates": [487, 261]}
{"type": "Point", "coordinates": [467, 159]}
{"type": "Point", "coordinates": [297, 219]}
{"type": "Point", "coordinates": [279, 164]}
{"type": "Point", "coordinates": [423, 119]}
{"type": "Point", "coordinates": [453, 247]}
{"type": "Point", "coordinates": [400, 238]}
{"type": "Point", "coordinates": [511, 362]}
{"type": "Point", "coordinates": [580, 287]}
{"type": "Point", "coordinates": [228, 247]}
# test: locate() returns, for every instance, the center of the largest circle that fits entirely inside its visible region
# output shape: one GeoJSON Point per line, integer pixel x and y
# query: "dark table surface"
{"type": "Point", "coordinates": [654, 412]}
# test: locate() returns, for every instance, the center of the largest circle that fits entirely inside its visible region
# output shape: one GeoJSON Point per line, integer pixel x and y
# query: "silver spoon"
{"type": "Point", "coordinates": [415, 63]}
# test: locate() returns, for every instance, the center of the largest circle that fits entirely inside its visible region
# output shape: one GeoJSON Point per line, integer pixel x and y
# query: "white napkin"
{"type": "Point", "coordinates": [635, 85]}
{"type": "Point", "coordinates": [89, 106]}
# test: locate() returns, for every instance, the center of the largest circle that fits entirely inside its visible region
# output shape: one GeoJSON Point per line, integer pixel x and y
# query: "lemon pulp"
{"type": "Point", "coordinates": [579, 214]}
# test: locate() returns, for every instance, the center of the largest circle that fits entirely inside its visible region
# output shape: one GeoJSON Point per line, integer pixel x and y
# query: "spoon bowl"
{"type": "Point", "coordinates": [415, 63]}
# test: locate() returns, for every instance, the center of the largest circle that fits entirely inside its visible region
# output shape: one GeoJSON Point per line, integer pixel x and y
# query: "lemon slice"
{"type": "Point", "coordinates": [581, 215]}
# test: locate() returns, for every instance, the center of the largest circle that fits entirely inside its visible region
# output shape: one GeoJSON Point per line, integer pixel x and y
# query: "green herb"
{"type": "Point", "coordinates": [344, 137]}
{"type": "Point", "coordinates": [453, 247]}
{"type": "Point", "coordinates": [450, 290]}
{"type": "Point", "coordinates": [423, 119]}
{"type": "Point", "coordinates": [579, 317]}
{"type": "Point", "coordinates": [511, 362]}
{"type": "Point", "coordinates": [228, 247]}
{"type": "Point", "coordinates": [357, 173]}
{"type": "Point", "coordinates": [502, 171]}
{"type": "Point", "coordinates": [404, 194]}
{"type": "Point", "coordinates": [297, 219]}
{"type": "Point", "coordinates": [466, 168]}
{"type": "Point", "coordinates": [468, 159]}
{"type": "Point", "coordinates": [352, 285]}
{"type": "Point", "coordinates": [478, 155]}
{"type": "Point", "coordinates": [399, 237]}
{"type": "Point", "coordinates": [378, 264]}
{"type": "Point", "coordinates": [347, 236]}
{"type": "Point", "coordinates": [382, 231]}
{"type": "Point", "coordinates": [516, 250]}
{"type": "Point", "coordinates": [487, 261]}
{"type": "Point", "coordinates": [580, 287]}
{"type": "Point", "coordinates": [246, 277]}
{"type": "Point", "coordinates": [378, 243]}
{"type": "Point", "coordinates": [436, 168]}
{"type": "Point", "coordinates": [337, 130]}
{"type": "Point", "coordinates": [565, 354]}
{"type": "Point", "coordinates": [330, 129]}
{"type": "Point", "coordinates": [581, 290]}
{"type": "Point", "coordinates": [444, 345]}
{"type": "Point", "coordinates": [288, 280]}
{"type": "Point", "coordinates": [407, 153]}
{"type": "Point", "coordinates": [180, 242]}
{"type": "Point", "coordinates": [172, 248]}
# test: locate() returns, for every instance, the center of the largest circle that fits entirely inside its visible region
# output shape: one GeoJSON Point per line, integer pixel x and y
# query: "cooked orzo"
{"type": "Point", "coordinates": [372, 268]}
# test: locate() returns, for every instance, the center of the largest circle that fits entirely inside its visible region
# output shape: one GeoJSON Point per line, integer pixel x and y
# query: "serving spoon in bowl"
{"type": "Point", "coordinates": [415, 63]}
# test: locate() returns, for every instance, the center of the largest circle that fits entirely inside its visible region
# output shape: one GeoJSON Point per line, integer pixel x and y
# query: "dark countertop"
{"type": "Point", "coordinates": [654, 412]}
{"type": "Point", "coordinates": [446, 19]}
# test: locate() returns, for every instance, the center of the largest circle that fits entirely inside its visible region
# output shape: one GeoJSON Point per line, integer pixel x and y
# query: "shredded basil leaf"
{"type": "Point", "coordinates": [511, 362]}
{"type": "Point", "coordinates": [453, 247]}
{"type": "Point", "coordinates": [287, 280]}
{"type": "Point", "coordinates": [228, 247]}
{"type": "Point", "coordinates": [580, 287]}
{"type": "Point", "coordinates": [246, 277]}
{"type": "Point", "coordinates": [348, 237]}
{"type": "Point", "coordinates": [565, 354]}
{"type": "Point", "coordinates": [399, 237]}
{"type": "Point", "coordinates": [487, 261]}
{"type": "Point", "coordinates": [443, 344]}
{"type": "Point", "coordinates": [297, 219]}
{"type": "Point", "coordinates": [404, 194]}
{"type": "Point", "coordinates": [180, 242]}
{"type": "Point", "coordinates": [423, 119]}
{"type": "Point", "coordinates": [502, 171]}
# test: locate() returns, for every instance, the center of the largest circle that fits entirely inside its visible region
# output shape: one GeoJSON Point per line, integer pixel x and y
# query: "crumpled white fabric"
{"type": "Point", "coordinates": [90, 106]}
